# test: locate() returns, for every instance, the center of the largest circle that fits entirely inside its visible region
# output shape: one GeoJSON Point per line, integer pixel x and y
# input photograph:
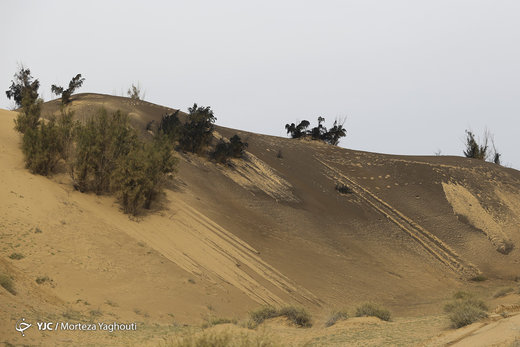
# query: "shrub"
{"type": "Point", "coordinates": [297, 131]}
{"type": "Point", "coordinates": [43, 279]}
{"type": "Point", "coordinates": [260, 315]}
{"type": "Point", "coordinates": [100, 143]}
{"type": "Point", "coordinates": [75, 83]}
{"type": "Point", "coordinates": [198, 129]}
{"type": "Point", "coordinates": [42, 147]}
{"type": "Point", "coordinates": [7, 283]}
{"type": "Point", "coordinates": [139, 175]}
{"type": "Point", "coordinates": [319, 132]}
{"type": "Point", "coordinates": [373, 310]}
{"type": "Point", "coordinates": [16, 256]}
{"type": "Point", "coordinates": [336, 316]}
{"type": "Point", "coordinates": [171, 126]}
{"type": "Point", "coordinates": [343, 189]}
{"type": "Point", "coordinates": [29, 117]}
{"type": "Point", "coordinates": [24, 86]}
{"type": "Point", "coordinates": [298, 316]}
{"type": "Point", "coordinates": [233, 149]}
{"type": "Point", "coordinates": [465, 309]}
{"type": "Point", "coordinates": [479, 278]}
{"type": "Point", "coordinates": [134, 92]}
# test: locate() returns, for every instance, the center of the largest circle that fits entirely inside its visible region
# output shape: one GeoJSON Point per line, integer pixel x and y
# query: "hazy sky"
{"type": "Point", "coordinates": [410, 76]}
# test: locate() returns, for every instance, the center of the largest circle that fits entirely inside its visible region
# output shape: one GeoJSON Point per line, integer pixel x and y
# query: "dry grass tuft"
{"type": "Point", "coordinates": [373, 310]}
{"type": "Point", "coordinates": [465, 309]}
{"type": "Point", "coordinates": [336, 316]}
{"type": "Point", "coordinates": [298, 316]}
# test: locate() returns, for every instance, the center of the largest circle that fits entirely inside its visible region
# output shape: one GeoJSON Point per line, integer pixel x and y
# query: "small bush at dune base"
{"type": "Point", "coordinates": [465, 309]}
{"type": "Point", "coordinates": [298, 316]}
{"type": "Point", "coordinates": [335, 317]}
{"type": "Point", "coordinates": [373, 310]}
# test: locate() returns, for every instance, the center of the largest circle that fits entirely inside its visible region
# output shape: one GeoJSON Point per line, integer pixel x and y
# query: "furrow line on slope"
{"type": "Point", "coordinates": [240, 251]}
{"type": "Point", "coordinates": [428, 241]}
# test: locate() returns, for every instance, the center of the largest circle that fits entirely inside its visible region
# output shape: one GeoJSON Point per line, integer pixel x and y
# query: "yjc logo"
{"type": "Point", "coordinates": [21, 326]}
{"type": "Point", "coordinates": [44, 326]}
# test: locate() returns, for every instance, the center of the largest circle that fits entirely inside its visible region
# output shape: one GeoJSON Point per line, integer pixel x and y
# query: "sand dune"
{"type": "Point", "coordinates": [271, 229]}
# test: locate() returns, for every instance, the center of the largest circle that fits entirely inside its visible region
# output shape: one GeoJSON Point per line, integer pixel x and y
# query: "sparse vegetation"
{"type": "Point", "coordinates": [111, 303]}
{"type": "Point", "coordinates": [232, 149]}
{"type": "Point", "coordinates": [320, 132]}
{"type": "Point", "coordinates": [503, 292]}
{"type": "Point", "coordinates": [72, 315]}
{"type": "Point", "coordinates": [373, 310]}
{"type": "Point", "coordinates": [212, 321]}
{"type": "Point", "coordinates": [7, 283]}
{"type": "Point", "coordinates": [43, 279]}
{"type": "Point", "coordinates": [336, 316]}
{"type": "Point", "coordinates": [479, 278]}
{"type": "Point", "coordinates": [223, 339]}
{"type": "Point", "coordinates": [134, 92]}
{"type": "Point", "coordinates": [465, 309]}
{"type": "Point", "coordinates": [75, 83]}
{"type": "Point", "coordinates": [16, 256]}
{"type": "Point", "coordinates": [96, 313]}
{"type": "Point", "coordinates": [298, 316]}
{"type": "Point", "coordinates": [480, 149]}
{"type": "Point", "coordinates": [343, 189]}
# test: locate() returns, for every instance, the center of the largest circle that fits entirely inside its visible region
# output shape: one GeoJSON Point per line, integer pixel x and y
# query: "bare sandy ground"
{"type": "Point", "coordinates": [269, 230]}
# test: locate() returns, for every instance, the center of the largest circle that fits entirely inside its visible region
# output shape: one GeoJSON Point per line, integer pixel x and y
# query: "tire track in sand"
{"type": "Point", "coordinates": [432, 244]}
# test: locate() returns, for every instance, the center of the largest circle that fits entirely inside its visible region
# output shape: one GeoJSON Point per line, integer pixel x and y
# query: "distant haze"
{"type": "Point", "coordinates": [410, 76]}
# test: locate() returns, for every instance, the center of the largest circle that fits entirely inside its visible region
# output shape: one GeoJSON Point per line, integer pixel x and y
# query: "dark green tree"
{"type": "Point", "coordinates": [334, 135]}
{"type": "Point", "coordinates": [474, 149]}
{"type": "Point", "coordinates": [171, 126]}
{"type": "Point", "coordinates": [75, 83]}
{"type": "Point", "coordinates": [224, 150]}
{"type": "Point", "coordinates": [297, 131]}
{"type": "Point", "coordinates": [198, 130]}
{"type": "Point", "coordinates": [24, 86]}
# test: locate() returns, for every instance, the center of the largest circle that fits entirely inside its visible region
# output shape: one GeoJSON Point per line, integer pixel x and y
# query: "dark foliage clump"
{"type": "Point", "coordinates": [480, 149]}
{"type": "Point", "coordinates": [75, 83]}
{"type": "Point", "coordinates": [343, 189]}
{"type": "Point", "coordinates": [232, 149]}
{"type": "Point", "coordinates": [198, 130]}
{"type": "Point", "coordinates": [41, 147]}
{"type": "Point", "coordinates": [24, 86]}
{"type": "Point", "coordinates": [171, 126]}
{"type": "Point", "coordinates": [320, 132]}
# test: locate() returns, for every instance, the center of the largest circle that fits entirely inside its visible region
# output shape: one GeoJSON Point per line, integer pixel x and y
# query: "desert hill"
{"type": "Point", "coordinates": [271, 229]}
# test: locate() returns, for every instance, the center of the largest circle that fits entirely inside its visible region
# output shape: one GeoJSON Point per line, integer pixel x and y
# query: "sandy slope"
{"type": "Point", "coordinates": [269, 230]}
